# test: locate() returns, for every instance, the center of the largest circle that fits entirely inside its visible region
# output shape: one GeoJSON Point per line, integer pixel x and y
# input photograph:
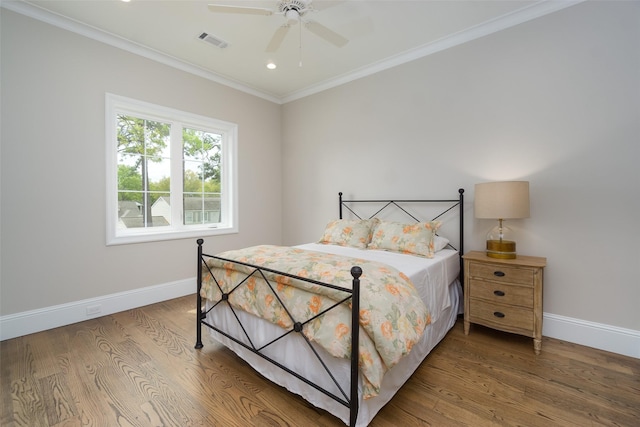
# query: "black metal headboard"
{"type": "Point", "coordinates": [448, 205]}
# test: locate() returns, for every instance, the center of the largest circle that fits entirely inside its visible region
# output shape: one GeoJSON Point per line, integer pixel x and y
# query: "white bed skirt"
{"type": "Point", "coordinates": [294, 353]}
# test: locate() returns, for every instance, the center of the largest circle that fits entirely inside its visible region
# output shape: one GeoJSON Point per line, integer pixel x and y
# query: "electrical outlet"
{"type": "Point", "coordinates": [92, 310]}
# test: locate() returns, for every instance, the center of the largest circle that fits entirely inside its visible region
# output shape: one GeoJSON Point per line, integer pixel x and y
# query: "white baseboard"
{"type": "Point", "coordinates": [28, 322]}
{"type": "Point", "coordinates": [597, 335]}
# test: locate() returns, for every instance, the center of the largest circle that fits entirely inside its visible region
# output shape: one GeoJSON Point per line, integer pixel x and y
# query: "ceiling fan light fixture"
{"type": "Point", "coordinates": [292, 16]}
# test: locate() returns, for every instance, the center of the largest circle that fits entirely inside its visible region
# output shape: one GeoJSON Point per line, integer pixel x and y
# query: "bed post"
{"type": "Point", "coordinates": [340, 204]}
{"type": "Point", "coordinates": [461, 191]}
{"type": "Point", "coordinates": [199, 298]}
{"type": "Point", "coordinates": [356, 272]}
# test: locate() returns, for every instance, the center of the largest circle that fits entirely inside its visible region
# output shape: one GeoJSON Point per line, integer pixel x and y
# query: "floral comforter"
{"type": "Point", "coordinates": [391, 312]}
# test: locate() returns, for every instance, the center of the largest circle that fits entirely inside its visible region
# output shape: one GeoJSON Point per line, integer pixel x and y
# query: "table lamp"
{"type": "Point", "coordinates": [501, 200]}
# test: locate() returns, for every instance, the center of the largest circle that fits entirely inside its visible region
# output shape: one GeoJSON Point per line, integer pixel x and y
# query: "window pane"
{"type": "Point", "coordinates": [202, 171]}
{"type": "Point", "coordinates": [129, 176]}
{"type": "Point", "coordinates": [161, 209]}
{"type": "Point", "coordinates": [192, 182]}
{"type": "Point", "coordinates": [143, 171]}
{"type": "Point", "coordinates": [159, 175]}
{"type": "Point", "coordinates": [203, 209]}
{"type": "Point", "coordinates": [130, 212]}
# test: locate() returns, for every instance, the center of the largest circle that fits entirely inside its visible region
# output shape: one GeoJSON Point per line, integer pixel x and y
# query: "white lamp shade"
{"type": "Point", "coordinates": [502, 200]}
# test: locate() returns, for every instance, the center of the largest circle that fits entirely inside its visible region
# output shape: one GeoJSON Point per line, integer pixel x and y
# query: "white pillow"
{"type": "Point", "coordinates": [440, 243]}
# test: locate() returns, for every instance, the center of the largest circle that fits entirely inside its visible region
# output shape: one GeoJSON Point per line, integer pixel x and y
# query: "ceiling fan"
{"type": "Point", "coordinates": [293, 11]}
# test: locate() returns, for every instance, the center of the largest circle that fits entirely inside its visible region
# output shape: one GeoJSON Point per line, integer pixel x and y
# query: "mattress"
{"type": "Point", "coordinates": [436, 282]}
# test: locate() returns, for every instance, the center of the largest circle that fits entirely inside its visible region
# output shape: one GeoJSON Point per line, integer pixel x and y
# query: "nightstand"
{"type": "Point", "coordinates": [504, 294]}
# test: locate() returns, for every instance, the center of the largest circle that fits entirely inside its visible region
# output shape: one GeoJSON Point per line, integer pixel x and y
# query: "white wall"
{"type": "Point", "coordinates": [554, 101]}
{"type": "Point", "coordinates": [53, 167]}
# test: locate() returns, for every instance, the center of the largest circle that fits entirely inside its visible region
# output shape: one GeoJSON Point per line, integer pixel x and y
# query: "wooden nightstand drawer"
{"type": "Point", "coordinates": [505, 317]}
{"type": "Point", "coordinates": [501, 273]}
{"type": "Point", "coordinates": [502, 293]}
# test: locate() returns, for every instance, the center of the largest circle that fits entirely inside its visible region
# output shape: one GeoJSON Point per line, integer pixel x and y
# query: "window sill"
{"type": "Point", "coordinates": [157, 236]}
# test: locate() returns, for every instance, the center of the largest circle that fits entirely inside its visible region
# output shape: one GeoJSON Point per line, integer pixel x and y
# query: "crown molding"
{"type": "Point", "coordinates": [536, 10]}
{"type": "Point", "coordinates": [35, 12]}
{"type": "Point", "coordinates": [533, 11]}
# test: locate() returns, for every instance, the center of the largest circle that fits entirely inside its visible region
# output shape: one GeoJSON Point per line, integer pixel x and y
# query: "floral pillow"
{"type": "Point", "coordinates": [415, 239]}
{"type": "Point", "coordinates": [349, 232]}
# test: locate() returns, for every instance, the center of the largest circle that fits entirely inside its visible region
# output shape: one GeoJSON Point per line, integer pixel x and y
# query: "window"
{"type": "Point", "coordinates": [170, 174]}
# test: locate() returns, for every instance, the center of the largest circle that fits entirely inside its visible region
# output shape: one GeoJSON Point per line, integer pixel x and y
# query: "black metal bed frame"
{"type": "Point", "coordinates": [350, 399]}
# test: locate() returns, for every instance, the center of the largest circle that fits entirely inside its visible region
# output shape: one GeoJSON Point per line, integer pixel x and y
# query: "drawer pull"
{"type": "Point", "coordinates": [498, 314]}
{"type": "Point", "coordinates": [499, 273]}
{"type": "Point", "coordinates": [498, 293]}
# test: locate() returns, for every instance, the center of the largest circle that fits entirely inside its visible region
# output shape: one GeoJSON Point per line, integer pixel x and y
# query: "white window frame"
{"type": "Point", "coordinates": [116, 104]}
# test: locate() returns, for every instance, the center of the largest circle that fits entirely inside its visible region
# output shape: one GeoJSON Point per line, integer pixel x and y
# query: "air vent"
{"type": "Point", "coordinates": [214, 40]}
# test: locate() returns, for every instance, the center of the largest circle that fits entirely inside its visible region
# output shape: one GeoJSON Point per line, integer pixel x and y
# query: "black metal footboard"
{"type": "Point", "coordinates": [348, 398]}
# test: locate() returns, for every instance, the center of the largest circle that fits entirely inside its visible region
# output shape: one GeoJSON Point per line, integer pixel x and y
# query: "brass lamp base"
{"type": "Point", "coordinates": [503, 249]}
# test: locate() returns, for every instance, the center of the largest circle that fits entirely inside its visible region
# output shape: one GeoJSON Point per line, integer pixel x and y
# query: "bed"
{"type": "Point", "coordinates": [288, 311]}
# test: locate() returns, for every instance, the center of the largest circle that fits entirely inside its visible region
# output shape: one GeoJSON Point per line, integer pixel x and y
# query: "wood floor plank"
{"type": "Point", "coordinates": [415, 407]}
{"type": "Point", "coordinates": [93, 410]}
{"type": "Point", "coordinates": [139, 368]}
{"type": "Point", "coordinates": [572, 391]}
{"type": "Point", "coordinates": [56, 396]}
{"type": "Point", "coordinates": [236, 396]}
{"type": "Point", "coordinates": [27, 407]}
{"type": "Point", "coordinates": [558, 406]}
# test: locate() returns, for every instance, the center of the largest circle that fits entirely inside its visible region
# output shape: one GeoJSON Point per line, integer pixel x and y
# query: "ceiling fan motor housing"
{"type": "Point", "coordinates": [293, 10]}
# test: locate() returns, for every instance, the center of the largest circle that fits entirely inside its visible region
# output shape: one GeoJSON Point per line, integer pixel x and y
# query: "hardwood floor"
{"type": "Point", "coordinates": [139, 368]}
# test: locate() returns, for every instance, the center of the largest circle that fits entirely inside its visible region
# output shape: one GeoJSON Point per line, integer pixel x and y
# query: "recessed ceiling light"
{"type": "Point", "coordinates": [271, 65]}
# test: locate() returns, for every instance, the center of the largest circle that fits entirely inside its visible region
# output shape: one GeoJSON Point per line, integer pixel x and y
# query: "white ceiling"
{"type": "Point", "coordinates": [381, 34]}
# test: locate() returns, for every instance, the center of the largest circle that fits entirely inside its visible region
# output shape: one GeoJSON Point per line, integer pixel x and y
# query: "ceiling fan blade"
{"type": "Point", "coordinates": [277, 38]}
{"type": "Point", "coordinates": [327, 34]}
{"type": "Point", "coordinates": [239, 9]}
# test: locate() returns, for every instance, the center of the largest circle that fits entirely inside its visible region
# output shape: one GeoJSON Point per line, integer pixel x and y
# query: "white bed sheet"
{"type": "Point", "coordinates": [292, 351]}
{"type": "Point", "coordinates": [430, 276]}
